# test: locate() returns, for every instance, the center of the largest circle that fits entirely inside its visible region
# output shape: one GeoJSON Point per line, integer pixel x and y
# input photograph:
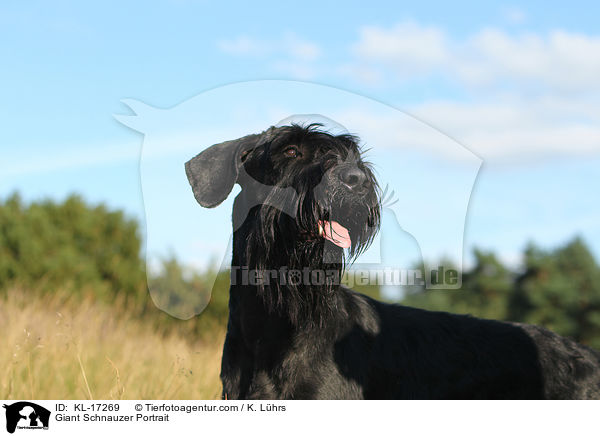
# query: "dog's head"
{"type": "Point", "coordinates": [301, 185]}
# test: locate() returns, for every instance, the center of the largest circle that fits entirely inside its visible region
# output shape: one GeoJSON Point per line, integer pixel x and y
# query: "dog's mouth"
{"type": "Point", "coordinates": [340, 229]}
{"type": "Point", "coordinates": [346, 223]}
{"type": "Point", "coordinates": [331, 231]}
{"type": "Point", "coordinates": [335, 233]}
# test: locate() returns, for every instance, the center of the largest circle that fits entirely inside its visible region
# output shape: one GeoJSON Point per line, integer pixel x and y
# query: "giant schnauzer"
{"type": "Point", "coordinates": [295, 333]}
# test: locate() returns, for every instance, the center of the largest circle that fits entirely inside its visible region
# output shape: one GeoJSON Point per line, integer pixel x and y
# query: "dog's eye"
{"type": "Point", "coordinates": [292, 152]}
{"type": "Point", "coordinates": [244, 155]}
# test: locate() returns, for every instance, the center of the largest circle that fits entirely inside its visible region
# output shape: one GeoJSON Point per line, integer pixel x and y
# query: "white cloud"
{"type": "Point", "coordinates": [408, 46]}
{"type": "Point", "coordinates": [518, 130]}
{"type": "Point", "coordinates": [288, 46]}
{"type": "Point", "coordinates": [559, 60]}
{"type": "Point", "coordinates": [531, 95]}
{"type": "Point", "coordinates": [515, 131]}
{"type": "Point", "coordinates": [288, 54]}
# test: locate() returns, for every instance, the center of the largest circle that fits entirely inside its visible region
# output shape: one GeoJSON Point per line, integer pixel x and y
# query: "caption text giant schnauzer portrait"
{"type": "Point", "coordinates": [309, 203]}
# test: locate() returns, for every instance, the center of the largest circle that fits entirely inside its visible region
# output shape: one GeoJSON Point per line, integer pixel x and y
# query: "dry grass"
{"type": "Point", "coordinates": [56, 348]}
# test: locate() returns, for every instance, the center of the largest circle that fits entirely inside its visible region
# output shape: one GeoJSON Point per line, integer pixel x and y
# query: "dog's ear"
{"type": "Point", "coordinates": [213, 172]}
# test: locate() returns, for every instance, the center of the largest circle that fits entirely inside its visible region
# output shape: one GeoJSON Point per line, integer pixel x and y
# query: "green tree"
{"type": "Point", "coordinates": [48, 245]}
{"type": "Point", "coordinates": [560, 290]}
{"type": "Point", "coordinates": [83, 250]}
{"type": "Point", "coordinates": [484, 292]}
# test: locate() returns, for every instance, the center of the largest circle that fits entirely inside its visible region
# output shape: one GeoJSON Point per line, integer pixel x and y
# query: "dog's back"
{"type": "Point", "coordinates": [423, 354]}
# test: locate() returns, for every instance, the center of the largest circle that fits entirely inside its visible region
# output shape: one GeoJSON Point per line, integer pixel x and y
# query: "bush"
{"type": "Point", "coordinates": [46, 245]}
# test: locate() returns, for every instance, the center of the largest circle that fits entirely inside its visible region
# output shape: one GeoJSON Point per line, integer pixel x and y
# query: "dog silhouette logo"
{"type": "Point", "coordinates": [26, 415]}
{"type": "Point", "coordinates": [424, 175]}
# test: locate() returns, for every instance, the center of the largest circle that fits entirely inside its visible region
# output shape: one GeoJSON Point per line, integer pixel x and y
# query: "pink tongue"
{"type": "Point", "coordinates": [336, 233]}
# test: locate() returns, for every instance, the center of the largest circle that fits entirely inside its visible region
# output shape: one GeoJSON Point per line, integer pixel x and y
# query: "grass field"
{"type": "Point", "coordinates": [55, 347]}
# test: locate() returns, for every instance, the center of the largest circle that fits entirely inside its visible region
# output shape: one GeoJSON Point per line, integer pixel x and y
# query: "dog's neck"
{"type": "Point", "coordinates": [287, 277]}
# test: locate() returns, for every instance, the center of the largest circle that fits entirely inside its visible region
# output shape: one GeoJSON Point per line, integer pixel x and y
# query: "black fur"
{"type": "Point", "coordinates": [324, 341]}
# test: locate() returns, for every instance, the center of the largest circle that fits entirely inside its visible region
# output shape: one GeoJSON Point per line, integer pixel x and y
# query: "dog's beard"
{"type": "Point", "coordinates": [280, 244]}
{"type": "Point", "coordinates": [277, 250]}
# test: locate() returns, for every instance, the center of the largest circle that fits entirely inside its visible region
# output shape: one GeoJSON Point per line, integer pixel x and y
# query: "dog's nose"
{"type": "Point", "coordinates": [353, 178]}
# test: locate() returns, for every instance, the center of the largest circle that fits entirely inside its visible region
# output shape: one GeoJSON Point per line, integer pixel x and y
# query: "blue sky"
{"type": "Point", "coordinates": [518, 84]}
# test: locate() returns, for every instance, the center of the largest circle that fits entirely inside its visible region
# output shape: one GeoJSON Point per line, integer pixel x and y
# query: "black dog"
{"type": "Point", "coordinates": [295, 333]}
